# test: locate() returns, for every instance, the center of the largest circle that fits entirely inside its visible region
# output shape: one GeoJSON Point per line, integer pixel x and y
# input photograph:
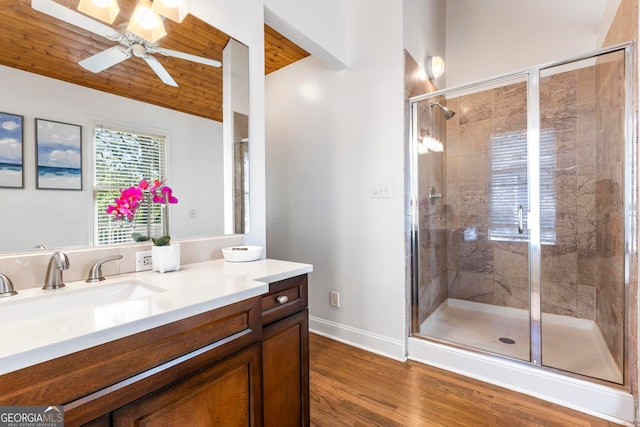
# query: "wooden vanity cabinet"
{"type": "Point", "coordinates": [103, 421]}
{"type": "Point", "coordinates": [222, 394]}
{"type": "Point", "coordinates": [94, 383]}
{"type": "Point", "coordinates": [285, 353]}
{"type": "Point", "coordinates": [245, 364]}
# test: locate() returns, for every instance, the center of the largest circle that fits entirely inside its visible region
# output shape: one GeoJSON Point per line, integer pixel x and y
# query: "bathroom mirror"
{"type": "Point", "coordinates": [197, 122]}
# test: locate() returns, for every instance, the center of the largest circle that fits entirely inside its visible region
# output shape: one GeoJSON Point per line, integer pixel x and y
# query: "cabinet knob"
{"type": "Point", "coordinates": [282, 299]}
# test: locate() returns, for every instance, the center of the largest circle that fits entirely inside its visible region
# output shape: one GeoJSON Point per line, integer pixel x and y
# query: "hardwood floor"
{"type": "Point", "coordinates": [353, 387]}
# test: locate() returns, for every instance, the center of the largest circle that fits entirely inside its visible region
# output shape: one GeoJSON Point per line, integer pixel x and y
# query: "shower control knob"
{"type": "Point", "coordinates": [282, 299]}
{"type": "Point", "coordinates": [433, 196]}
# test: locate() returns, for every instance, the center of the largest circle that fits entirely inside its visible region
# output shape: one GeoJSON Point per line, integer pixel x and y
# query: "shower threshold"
{"type": "Point", "coordinates": [570, 344]}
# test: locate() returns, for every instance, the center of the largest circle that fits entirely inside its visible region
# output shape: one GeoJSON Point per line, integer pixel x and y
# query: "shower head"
{"type": "Point", "coordinates": [447, 112]}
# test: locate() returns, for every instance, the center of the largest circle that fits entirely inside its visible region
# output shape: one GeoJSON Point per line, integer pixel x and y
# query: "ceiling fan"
{"type": "Point", "coordinates": [129, 43]}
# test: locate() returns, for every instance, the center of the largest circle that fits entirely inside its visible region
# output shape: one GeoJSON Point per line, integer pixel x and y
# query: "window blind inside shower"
{"type": "Point", "coordinates": [508, 186]}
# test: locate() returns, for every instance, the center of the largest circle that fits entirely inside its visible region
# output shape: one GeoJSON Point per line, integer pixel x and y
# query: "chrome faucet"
{"type": "Point", "coordinates": [57, 263]}
{"type": "Point", "coordinates": [6, 287]}
{"type": "Point", "coordinates": [95, 273]}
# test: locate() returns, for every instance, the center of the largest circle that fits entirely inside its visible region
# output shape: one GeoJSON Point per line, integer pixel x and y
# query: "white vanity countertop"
{"type": "Point", "coordinates": [38, 325]}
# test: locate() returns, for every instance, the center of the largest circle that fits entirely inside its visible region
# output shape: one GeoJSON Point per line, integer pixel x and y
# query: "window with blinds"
{"type": "Point", "coordinates": [508, 187]}
{"type": "Point", "coordinates": [122, 159]}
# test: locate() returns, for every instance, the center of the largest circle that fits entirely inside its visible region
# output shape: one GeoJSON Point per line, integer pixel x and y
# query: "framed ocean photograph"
{"type": "Point", "coordinates": [59, 155]}
{"type": "Point", "coordinates": [11, 151]}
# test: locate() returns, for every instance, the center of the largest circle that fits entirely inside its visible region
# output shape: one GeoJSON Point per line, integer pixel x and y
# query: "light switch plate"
{"type": "Point", "coordinates": [380, 191]}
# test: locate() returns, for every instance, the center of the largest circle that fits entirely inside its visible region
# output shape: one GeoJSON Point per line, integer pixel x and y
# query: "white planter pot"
{"type": "Point", "coordinates": [165, 258]}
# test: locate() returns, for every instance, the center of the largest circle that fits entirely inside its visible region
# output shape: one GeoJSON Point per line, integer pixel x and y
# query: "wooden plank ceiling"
{"type": "Point", "coordinates": [279, 51]}
{"type": "Point", "coordinates": [37, 43]}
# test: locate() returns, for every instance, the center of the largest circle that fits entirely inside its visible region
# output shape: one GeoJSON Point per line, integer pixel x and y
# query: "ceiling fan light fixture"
{"type": "Point", "coordinates": [104, 10]}
{"type": "Point", "coordinates": [146, 23]}
{"type": "Point", "coordinates": [175, 10]}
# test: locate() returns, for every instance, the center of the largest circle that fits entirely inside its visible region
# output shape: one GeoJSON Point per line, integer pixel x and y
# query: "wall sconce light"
{"type": "Point", "coordinates": [175, 10]}
{"type": "Point", "coordinates": [104, 10]}
{"type": "Point", "coordinates": [146, 23]}
{"type": "Point", "coordinates": [434, 67]}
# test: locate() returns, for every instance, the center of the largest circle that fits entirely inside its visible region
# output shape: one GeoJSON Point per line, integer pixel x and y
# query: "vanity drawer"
{"type": "Point", "coordinates": [285, 298]}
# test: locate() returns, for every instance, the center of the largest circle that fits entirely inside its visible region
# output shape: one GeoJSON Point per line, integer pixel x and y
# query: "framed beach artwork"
{"type": "Point", "coordinates": [11, 151]}
{"type": "Point", "coordinates": [59, 155]}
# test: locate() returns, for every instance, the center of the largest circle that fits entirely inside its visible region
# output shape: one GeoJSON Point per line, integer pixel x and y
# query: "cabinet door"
{"type": "Point", "coordinates": [225, 394]}
{"type": "Point", "coordinates": [285, 370]}
{"type": "Point", "coordinates": [104, 421]}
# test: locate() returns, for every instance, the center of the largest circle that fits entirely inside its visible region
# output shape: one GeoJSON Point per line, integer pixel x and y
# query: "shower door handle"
{"type": "Point", "coordinates": [520, 220]}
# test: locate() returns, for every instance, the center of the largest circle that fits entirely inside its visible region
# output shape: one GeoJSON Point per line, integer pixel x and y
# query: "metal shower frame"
{"type": "Point", "coordinates": [532, 76]}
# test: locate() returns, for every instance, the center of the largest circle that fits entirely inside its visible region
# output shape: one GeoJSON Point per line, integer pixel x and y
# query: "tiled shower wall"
{"type": "Point", "coordinates": [492, 272]}
{"type": "Point", "coordinates": [497, 272]}
{"type": "Point", "coordinates": [624, 28]}
{"type": "Point", "coordinates": [478, 269]}
{"type": "Point", "coordinates": [432, 229]}
{"type": "Point", "coordinates": [567, 103]}
{"type": "Point", "coordinates": [609, 203]}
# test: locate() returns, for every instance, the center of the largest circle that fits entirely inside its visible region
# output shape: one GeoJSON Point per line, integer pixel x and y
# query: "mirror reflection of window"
{"type": "Point", "coordinates": [192, 119]}
{"type": "Point", "coordinates": [241, 173]}
{"type": "Point", "coordinates": [123, 158]}
{"type": "Point", "coordinates": [509, 189]}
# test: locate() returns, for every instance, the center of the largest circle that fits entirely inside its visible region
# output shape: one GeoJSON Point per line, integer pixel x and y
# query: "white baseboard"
{"type": "Point", "coordinates": [595, 399]}
{"type": "Point", "coordinates": [365, 340]}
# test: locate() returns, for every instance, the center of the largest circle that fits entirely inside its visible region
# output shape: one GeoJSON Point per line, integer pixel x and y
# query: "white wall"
{"type": "Point", "coordinates": [325, 36]}
{"type": "Point", "coordinates": [491, 37]}
{"type": "Point", "coordinates": [424, 31]}
{"type": "Point", "coordinates": [66, 215]}
{"type": "Point", "coordinates": [331, 136]}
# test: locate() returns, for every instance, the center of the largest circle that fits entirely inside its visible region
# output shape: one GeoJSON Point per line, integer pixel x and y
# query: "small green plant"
{"type": "Point", "coordinates": [162, 241]}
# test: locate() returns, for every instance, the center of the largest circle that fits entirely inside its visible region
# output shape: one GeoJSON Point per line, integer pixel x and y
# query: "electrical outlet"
{"type": "Point", "coordinates": [143, 261]}
{"type": "Point", "coordinates": [334, 299]}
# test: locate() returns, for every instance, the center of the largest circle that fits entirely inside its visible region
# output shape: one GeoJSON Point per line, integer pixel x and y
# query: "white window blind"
{"type": "Point", "coordinates": [509, 188]}
{"type": "Point", "coordinates": [122, 159]}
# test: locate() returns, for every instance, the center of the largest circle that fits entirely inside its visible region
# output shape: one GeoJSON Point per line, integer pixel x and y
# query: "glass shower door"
{"type": "Point", "coordinates": [582, 146]}
{"type": "Point", "coordinates": [523, 212]}
{"type": "Point", "coordinates": [473, 234]}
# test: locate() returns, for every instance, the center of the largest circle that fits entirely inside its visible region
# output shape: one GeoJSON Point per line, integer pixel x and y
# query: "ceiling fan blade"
{"type": "Point", "coordinates": [157, 67]}
{"type": "Point", "coordinates": [105, 59]}
{"type": "Point", "coordinates": [72, 17]}
{"type": "Point", "coordinates": [188, 57]}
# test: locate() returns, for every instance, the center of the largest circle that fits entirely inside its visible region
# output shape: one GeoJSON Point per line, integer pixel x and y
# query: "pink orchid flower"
{"type": "Point", "coordinates": [131, 198]}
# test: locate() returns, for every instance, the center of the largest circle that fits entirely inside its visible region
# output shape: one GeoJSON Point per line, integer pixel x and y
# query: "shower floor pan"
{"type": "Point", "coordinates": [570, 344]}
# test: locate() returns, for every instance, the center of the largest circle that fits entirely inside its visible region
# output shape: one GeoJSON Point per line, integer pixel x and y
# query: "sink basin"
{"type": "Point", "coordinates": [67, 319]}
{"type": "Point", "coordinates": [60, 303]}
